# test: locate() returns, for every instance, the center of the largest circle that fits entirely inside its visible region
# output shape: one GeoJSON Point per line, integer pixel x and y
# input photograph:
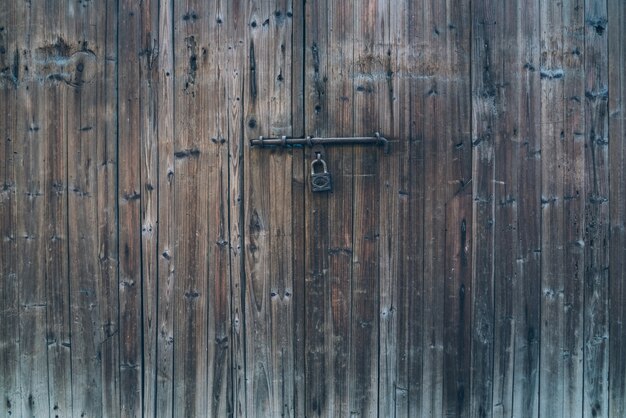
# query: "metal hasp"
{"type": "Point", "coordinates": [284, 141]}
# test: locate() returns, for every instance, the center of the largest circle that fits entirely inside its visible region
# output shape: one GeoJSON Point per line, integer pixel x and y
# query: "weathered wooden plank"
{"type": "Point", "coordinates": [133, 110]}
{"type": "Point", "coordinates": [573, 91]}
{"type": "Point", "coordinates": [484, 113]}
{"type": "Point", "coordinates": [298, 190]}
{"type": "Point", "coordinates": [457, 140]}
{"type": "Point", "coordinates": [562, 165]}
{"type": "Point", "coordinates": [392, 213]}
{"type": "Point", "coordinates": [216, 185]}
{"type": "Point", "coordinates": [58, 335]}
{"type": "Point", "coordinates": [166, 213]}
{"type": "Point", "coordinates": [617, 190]}
{"type": "Point", "coordinates": [329, 104]}
{"type": "Point", "coordinates": [438, 182]}
{"type": "Point", "coordinates": [319, 396]}
{"type": "Point", "coordinates": [513, 92]}
{"type": "Point", "coordinates": [89, 130]}
{"type": "Point", "coordinates": [280, 167]}
{"type": "Point", "coordinates": [10, 403]}
{"type": "Point", "coordinates": [194, 68]}
{"type": "Point", "coordinates": [106, 20]}
{"type": "Point", "coordinates": [256, 196]}
{"type": "Point", "coordinates": [411, 313]}
{"type": "Point", "coordinates": [596, 221]}
{"type": "Point", "coordinates": [30, 171]}
{"type": "Point", "coordinates": [369, 53]}
{"type": "Point", "coordinates": [237, 23]}
{"type": "Point", "coordinates": [148, 202]}
{"type": "Point", "coordinates": [267, 219]}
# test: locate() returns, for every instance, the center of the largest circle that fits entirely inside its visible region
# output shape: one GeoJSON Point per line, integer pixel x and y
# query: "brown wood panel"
{"type": "Point", "coordinates": [91, 144]}
{"type": "Point", "coordinates": [267, 222]}
{"type": "Point", "coordinates": [617, 189]}
{"type": "Point", "coordinates": [58, 335]}
{"type": "Point", "coordinates": [148, 202]}
{"type": "Point", "coordinates": [31, 154]}
{"type": "Point", "coordinates": [236, 22]}
{"type": "Point", "coordinates": [484, 117]}
{"type": "Point", "coordinates": [596, 207]}
{"type": "Point", "coordinates": [328, 108]}
{"type": "Point", "coordinates": [154, 264]}
{"type": "Point", "coordinates": [562, 161]}
{"type": "Point", "coordinates": [10, 403]}
{"type": "Point", "coordinates": [133, 110]}
{"type": "Point", "coordinates": [164, 374]}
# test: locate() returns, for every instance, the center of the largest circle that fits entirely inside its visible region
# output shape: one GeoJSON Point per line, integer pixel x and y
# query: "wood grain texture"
{"type": "Point", "coordinates": [562, 161]}
{"type": "Point", "coordinates": [152, 263]}
{"type": "Point", "coordinates": [58, 333]}
{"type": "Point", "coordinates": [596, 207]}
{"type": "Point", "coordinates": [268, 264]}
{"type": "Point", "coordinates": [194, 66]}
{"type": "Point", "coordinates": [131, 134]}
{"type": "Point", "coordinates": [10, 404]}
{"type": "Point", "coordinates": [148, 203]}
{"type": "Point", "coordinates": [484, 117]}
{"type": "Point", "coordinates": [166, 229]}
{"type": "Point", "coordinates": [617, 189]}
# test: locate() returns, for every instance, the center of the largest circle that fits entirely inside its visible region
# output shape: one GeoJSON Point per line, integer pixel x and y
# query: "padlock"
{"type": "Point", "coordinates": [320, 182]}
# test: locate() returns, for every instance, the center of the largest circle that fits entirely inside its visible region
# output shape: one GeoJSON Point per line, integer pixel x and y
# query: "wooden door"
{"type": "Point", "coordinates": [154, 264]}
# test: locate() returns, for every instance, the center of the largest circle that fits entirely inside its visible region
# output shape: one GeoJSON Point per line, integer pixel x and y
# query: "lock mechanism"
{"type": "Point", "coordinates": [320, 180]}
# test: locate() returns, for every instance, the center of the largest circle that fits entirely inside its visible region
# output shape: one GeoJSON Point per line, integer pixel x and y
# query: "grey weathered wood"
{"type": "Point", "coordinates": [216, 186]}
{"type": "Point", "coordinates": [153, 264]}
{"type": "Point", "coordinates": [148, 174]}
{"type": "Point", "coordinates": [166, 213]}
{"type": "Point", "coordinates": [596, 207]}
{"type": "Point", "coordinates": [236, 64]}
{"type": "Point", "coordinates": [484, 113]}
{"type": "Point", "coordinates": [562, 163]}
{"type": "Point", "coordinates": [58, 335]}
{"type": "Point", "coordinates": [9, 291]}
{"type": "Point", "coordinates": [617, 190]}
{"type": "Point", "coordinates": [194, 54]}
{"type": "Point", "coordinates": [131, 194]}
{"type": "Point", "coordinates": [31, 240]}
{"type": "Point", "coordinates": [106, 19]}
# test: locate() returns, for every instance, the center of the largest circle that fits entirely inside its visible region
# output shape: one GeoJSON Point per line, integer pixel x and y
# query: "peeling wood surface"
{"type": "Point", "coordinates": [152, 263]}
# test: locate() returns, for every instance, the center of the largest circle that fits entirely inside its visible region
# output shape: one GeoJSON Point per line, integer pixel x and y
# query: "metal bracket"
{"type": "Point", "coordinates": [284, 141]}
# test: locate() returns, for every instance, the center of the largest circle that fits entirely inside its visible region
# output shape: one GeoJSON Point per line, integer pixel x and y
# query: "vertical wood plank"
{"type": "Point", "coordinates": [484, 113]}
{"type": "Point", "coordinates": [58, 335]}
{"type": "Point", "coordinates": [268, 212]}
{"type": "Point", "coordinates": [237, 23]}
{"type": "Point", "coordinates": [30, 157]}
{"type": "Point", "coordinates": [617, 190]}
{"type": "Point", "coordinates": [369, 53]}
{"type": "Point", "coordinates": [194, 90]}
{"type": "Point", "coordinates": [320, 396]}
{"type": "Point", "coordinates": [447, 172]}
{"type": "Point", "coordinates": [596, 226]}
{"type": "Point", "coordinates": [166, 213]}
{"type": "Point", "coordinates": [562, 124]}
{"type": "Point", "coordinates": [131, 121]}
{"type": "Point", "coordinates": [10, 403]}
{"type": "Point", "coordinates": [298, 190]}
{"type": "Point", "coordinates": [91, 200]}
{"type": "Point", "coordinates": [517, 223]}
{"type": "Point", "coordinates": [329, 106]}
{"type": "Point", "coordinates": [218, 363]}
{"type": "Point", "coordinates": [457, 142]}
{"type": "Point", "coordinates": [107, 204]}
{"type": "Point", "coordinates": [148, 202]}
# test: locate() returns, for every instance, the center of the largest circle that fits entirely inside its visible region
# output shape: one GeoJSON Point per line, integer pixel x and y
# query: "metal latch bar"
{"type": "Point", "coordinates": [284, 141]}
